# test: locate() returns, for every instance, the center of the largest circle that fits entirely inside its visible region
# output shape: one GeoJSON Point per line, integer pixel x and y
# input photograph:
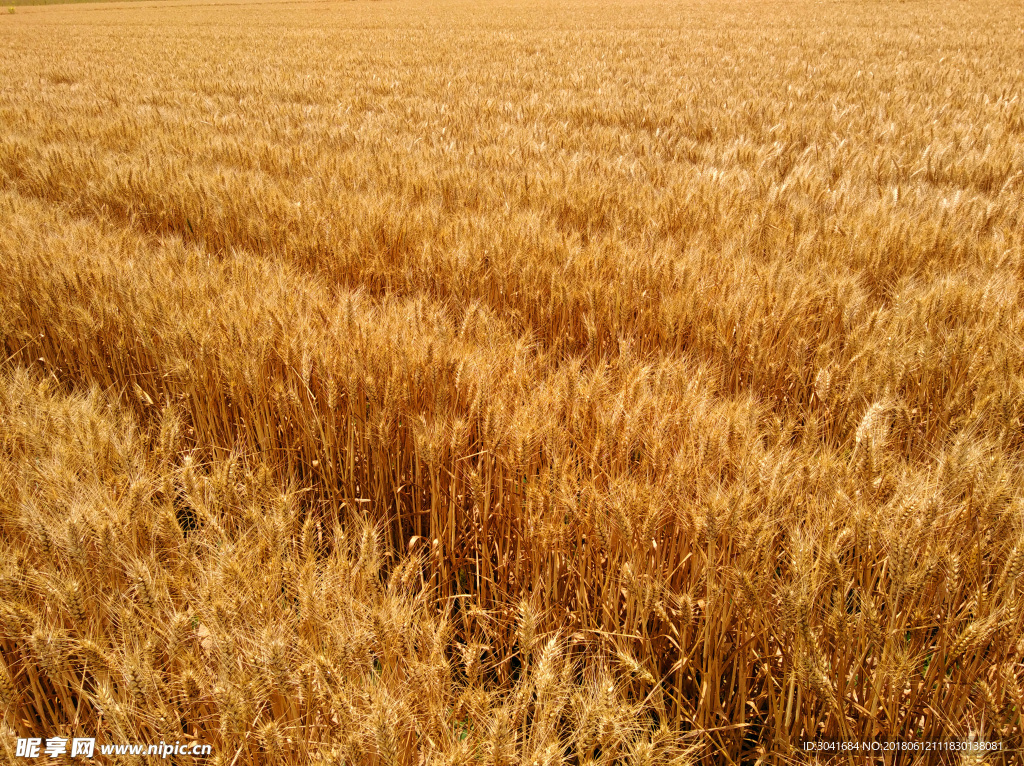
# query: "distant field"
{"type": "Point", "coordinates": [19, 3]}
{"type": "Point", "coordinates": [592, 382]}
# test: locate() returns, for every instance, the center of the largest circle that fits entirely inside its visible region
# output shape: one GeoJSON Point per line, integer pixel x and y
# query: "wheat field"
{"type": "Point", "coordinates": [580, 382]}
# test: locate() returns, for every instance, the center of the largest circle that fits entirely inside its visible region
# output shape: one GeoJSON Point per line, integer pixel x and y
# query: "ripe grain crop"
{"type": "Point", "coordinates": [583, 383]}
